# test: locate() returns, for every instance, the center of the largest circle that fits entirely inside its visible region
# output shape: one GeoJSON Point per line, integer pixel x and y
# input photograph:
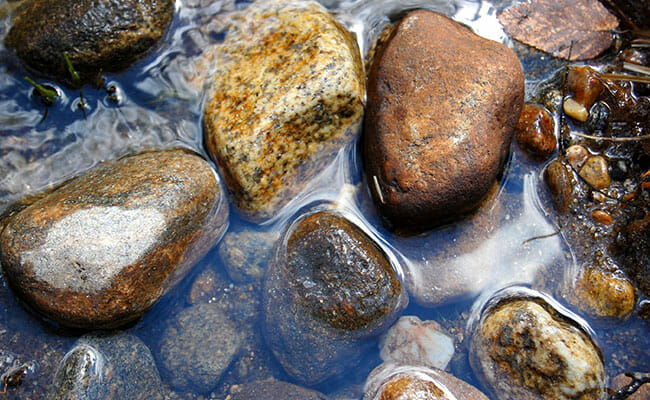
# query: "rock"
{"type": "Point", "coordinates": [272, 390]}
{"type": "Point", "coordinates": [197, 347]}
{"type": "Point", "coordinates": [595, 172]}
{"type": "Point", "coordinates": [328, 289]}
{"type": "Point", "coordinates": [96, 35]}
{"type": "Point", "coordinates": [584, 85]}
{"type": "Point", "coordinates": [620, 381]}
{"type": "Point", "coordinates": [108, 367]}
{"type": "Point", "coordinates": [576, 155]}
{"type": "Point", "coordinates": [535, 132]}
{"type": "Point", "coordinates": [245, 254]}
{"type": "Point", "coordinates": [414, 342]}
{"type": "Point", "coordinates": [286, 97]}
{"type": "Point", "coordinates": [102, 248]}
{"type": "Point", "coordinates": [524, 348]}
{"type": "Point", "coordinates": [392, 381]}
{"type": "Point", "coordinates": [441, 111]}
{"type": "Point", "coordinates": [602, 217]}
{"type": "Point", "coordinates": [560, 182]}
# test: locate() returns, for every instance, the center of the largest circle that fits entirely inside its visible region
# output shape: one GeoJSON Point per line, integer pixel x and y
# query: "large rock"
{"type": "Point", "coordinates": [522, 347]}
{"type": "Point", "coordinates": [442, 106]}
{"type": "Point", "coordinates": [102, 248]}
{"type": "Point", "coordinates": [328, 289]}
{"type": "Point", "coordinates": [286, 95]}
{"type": "Point", "coordinates": [96, 35]}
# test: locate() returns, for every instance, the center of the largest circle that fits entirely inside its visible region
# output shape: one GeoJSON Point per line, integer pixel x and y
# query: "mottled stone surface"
{"type": "Point", "coordinates": [535, 132]}
{"type": "Point", "coordinates": [197, 346]}
{"type": "Point", "coordinates": [96, 35]}
{"type": "Point", "coordinates": [102, 248]}
{"type": "Point", "coordinates": [596, 172]}
{"type": "Point", "coordinates": [417, 342]}
{"type": "Point", "coordinates": [108, 366]}
{"type": "Point", "coordinates": [273, 390]}
{"type": "Point", "coordinates": [391, 381]}
{"type": "Point", "coordinates": [522, 348]}
{"type": "Point", "coordinates": [560, 182]}
{"type": "Point", "coordinates": [245, 254]}
{"type": "Point", "coordinates": [286, 95]}
{"type": "Point", "coordinates": [442, 107]}
{"type": "Point", "coordinates": [328, 288]}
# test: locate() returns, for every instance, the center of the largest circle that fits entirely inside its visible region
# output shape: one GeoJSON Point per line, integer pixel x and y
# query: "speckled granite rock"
{"type": "Point", "coordinates": [107, 366]}
{"type": "Point", "coordinates": [442, 107]}
{"type": "Point", "coordinates": [286, 96]}
{"type": "Point", "coordinates": [392, 381]}
{"type": "Point", "coordinates": [96, 35]}
{"type": "Point", "coordinates": [329, 288]}
{"type": "Point", "coordinates": [197, 346]}
{"type": "Point", "coordinates": [524, 348]}
{"type": "Point", "coordinates": [272, 390]}
{"type": "Point", "coordinates": [102, 248]}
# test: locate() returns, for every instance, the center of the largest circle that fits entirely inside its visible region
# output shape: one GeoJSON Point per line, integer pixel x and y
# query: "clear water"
{"type": "Point", "coordinates": [159, 102]}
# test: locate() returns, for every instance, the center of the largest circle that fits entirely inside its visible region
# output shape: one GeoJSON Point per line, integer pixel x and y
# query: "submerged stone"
{"type": "Point", "coordinates": [523, 348]}
{"type": "Point", "coordinates": [442, 107]}
{"type": "Point", "coordinates": [329, 287]}
{"type": "Point", "coordinates": [96, 35]}
{"type": "Point", "coordinates": [102, 248]}
{"type": "Point", "coordinates": [272, 390]}
{"type": "Point", "coordinates": [286, 96]}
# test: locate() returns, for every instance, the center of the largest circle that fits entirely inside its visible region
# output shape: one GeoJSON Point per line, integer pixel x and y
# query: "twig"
{"type": "Point", "coordinates": [638, 380]}
{"type": "Point", "coordinates": [613, 139]}
{"type": "Point", "coordinates": [525, 242]}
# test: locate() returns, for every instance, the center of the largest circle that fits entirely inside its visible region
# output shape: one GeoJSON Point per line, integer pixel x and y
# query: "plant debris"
{"type": "Point", "coordinates": [552, 25]}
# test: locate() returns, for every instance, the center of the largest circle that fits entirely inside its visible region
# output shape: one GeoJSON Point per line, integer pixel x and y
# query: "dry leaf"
{"type": "Point", "coordinates": [552, 25]}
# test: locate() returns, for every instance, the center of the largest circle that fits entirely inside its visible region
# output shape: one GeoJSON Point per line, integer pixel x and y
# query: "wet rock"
{"type": "Point", "coordinates": [392, 381]}
{"type": "Point", "coordinates": [328, 289]}
{"type": "Point", "coordinates": [108, 367]}
{"type": "Point", "coordinates": [602, 217]}
{"type": "Point", "coordinates": [584, 86]}
{"type": "Point", "coordinates": [272, 390]}
{"type": "Point", "coordinates": [96, 35]}
{"type": "Point", "coordinates": [197, 347]}
{"type": "Point", "coordinates": [601, 293]}
{"type": "Point", "coordinates": [246, 254]}
{"type": "Point", "coordinates": [524, 348]}
{"type": "Point", "coordinates": [102, 248]}
{"type": "Point", "coordinates": [286, 96]}
{"type": "Point", "coordinates": [596, 173]}
{"type": "Point", "coordinates": [620, 381]}
{"type": "Point", "coordinates": [415, 342]}
{"type": "Point", "coordinates": [560, 182]}
{"type": "Point", "coordinates": [576, 155]}
{"type": "Point", "coordinates": [442, 107]}
{"type": "Point", "coordinates": [535, 132]}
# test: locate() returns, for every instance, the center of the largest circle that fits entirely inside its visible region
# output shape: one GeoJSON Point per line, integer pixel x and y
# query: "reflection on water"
{"type": "Point", "coordinates": [158, 103]}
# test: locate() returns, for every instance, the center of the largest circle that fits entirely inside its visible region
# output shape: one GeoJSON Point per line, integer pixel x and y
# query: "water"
{"type": "Point", "coordinates": [157, 103]}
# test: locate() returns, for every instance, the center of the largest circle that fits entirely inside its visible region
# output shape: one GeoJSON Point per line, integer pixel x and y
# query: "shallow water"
{"type": "Point", "coordinates": [158, 105]}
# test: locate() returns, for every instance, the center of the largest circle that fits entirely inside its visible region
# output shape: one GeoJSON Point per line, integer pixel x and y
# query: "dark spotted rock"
{"type": "Point", "coordinates": [441, 111]}
{"type": "Point", "coordinates": [272, 390]}
{"type": "Point", "coordinates": [328, 288]}
{"type": "Point", "coordinates": [96, 35]}
{"type": "Point", "coordinates": [102, 248]}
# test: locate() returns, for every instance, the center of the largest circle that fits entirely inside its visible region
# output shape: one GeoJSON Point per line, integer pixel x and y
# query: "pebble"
{"type": "Point", "coordinates": [245, 254]}
{"type": "Point", "coordinates": [535, 132]}
{"type": "Point", "coordinates": [416, 342]}
{"type": "Point", "coordinates": [595, 172]}
{"type": "Point", "coordinates": [101, 249]}
{"type": "Point", "coordinates": [584, 86]}
{"type": "Point", "coordinates": [434, 91]}
{"type": "Point", "coordinates": [197, 346]}
{"type": "Point", "coordinates": [271, 390]}
{"type": "Point", "coordinates": [522, 347]}
{"type": "Point", "coordinates": [602, 217]}
{"type": "Point", "coordinates": [559, 181]}
{"type": "Point", "coordinates": [575, 110]}
{"type": "Point", "coordinates": [96, 35]}
{"type": "Point", "coordinates": [576, 155]}
{"type": "Point", "coordinates": [328, 289]}
{"type": "Point", "coordinates": [391, 381]}
{"type": "Point", "coordinates": [286, 96]}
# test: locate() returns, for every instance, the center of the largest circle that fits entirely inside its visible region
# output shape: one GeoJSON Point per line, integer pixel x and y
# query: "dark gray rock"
{"type": "Point", "coordinates": [108, 367]}
{"type": "Point", "coordinates": [96, 35]}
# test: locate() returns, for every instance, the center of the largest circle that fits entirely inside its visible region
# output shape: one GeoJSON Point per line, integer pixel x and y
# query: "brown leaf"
{"type": "Point", "coordinates": [552, 25]}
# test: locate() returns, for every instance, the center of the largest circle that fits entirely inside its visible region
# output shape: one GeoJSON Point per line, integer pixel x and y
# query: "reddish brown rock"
{"type": "Point", "coordinates": [442, 107]}
{"type": "Point", "coordinates": [101, 249]}
{"type": "Point", "coordinates": [535, 132]}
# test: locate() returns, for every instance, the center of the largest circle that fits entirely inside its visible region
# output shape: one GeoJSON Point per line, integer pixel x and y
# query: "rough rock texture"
{"type": "Point", "coordinates": [102, 248]}
{"type": "Point", "coordinates": [286, 96]}
{"type": "Point", "coordinates": [442, 106]}
{"type": "Point", "coordinates": [197, 347]}
{"type": "Point", "coordinates": [96, 35]}
{"type": "Point", "coordinates": [108, 367]}
{"type": "Point", "coordinates": [416, 342]}
{"type": "Point", "coordinates": [273, 390]}
{"type": "Point", "coordinates": [328, 288]}
{"type": "Point", "coordinates": [392, 381]}
{"type": "Point", "coordinates": [522, 348]}
{"type": "Point", "coordinates": [245, 254]}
